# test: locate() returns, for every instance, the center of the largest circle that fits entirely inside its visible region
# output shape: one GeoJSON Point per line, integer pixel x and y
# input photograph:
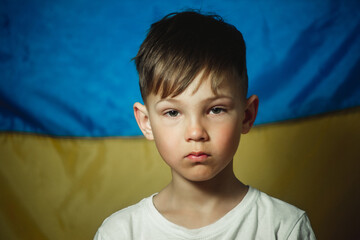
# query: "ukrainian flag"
{"type": "Point", "coordinates": [70, 149]}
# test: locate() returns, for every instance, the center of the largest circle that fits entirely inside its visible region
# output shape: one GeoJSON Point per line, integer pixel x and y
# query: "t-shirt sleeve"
{"type": "Point", "coordinates": [302, 230]}
{"type": "Point", "coordinates": [98, 236]}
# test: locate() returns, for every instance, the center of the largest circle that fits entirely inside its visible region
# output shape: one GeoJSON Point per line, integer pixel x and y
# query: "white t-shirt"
{"type": "Point", "coordinates": [257, 216]}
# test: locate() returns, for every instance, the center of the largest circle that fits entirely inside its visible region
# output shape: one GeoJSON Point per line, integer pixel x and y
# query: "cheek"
{"type": "Point", "coordinates": [227, 138]}
{"type": "Point", "coordinates": [166, 142]}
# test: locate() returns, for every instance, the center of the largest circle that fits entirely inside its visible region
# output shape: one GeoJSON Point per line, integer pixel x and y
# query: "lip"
{"type": "Point", "coordinates": [197, 157]}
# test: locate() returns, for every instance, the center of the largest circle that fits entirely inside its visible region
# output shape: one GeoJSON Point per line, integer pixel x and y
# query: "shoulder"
{"type": "Point", "coordinates": [282, 218]}
{"type": "Point", "coordinates": [123, 221]}
{"type": "Point", "coordinates": [272, 205]}
{"type": "Point", "coordinates": [123, 216]}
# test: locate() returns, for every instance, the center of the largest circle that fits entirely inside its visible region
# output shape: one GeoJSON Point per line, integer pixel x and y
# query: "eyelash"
{"type": "Point", "coordinates": [222, 110]}
{"type": "Point", "coordinates": [172, 112]}
{"type": "Point", "coordinates": [213, 110]}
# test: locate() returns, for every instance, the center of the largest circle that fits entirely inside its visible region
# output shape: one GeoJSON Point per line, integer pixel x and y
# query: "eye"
{"type": "Point", "coordinates": [217, 110]}
{"type": "Point", "coordinates": [172, 113]}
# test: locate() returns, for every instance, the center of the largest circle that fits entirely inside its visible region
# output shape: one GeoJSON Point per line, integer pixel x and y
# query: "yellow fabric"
{"type": "Point", "coordinates": [56, 188]}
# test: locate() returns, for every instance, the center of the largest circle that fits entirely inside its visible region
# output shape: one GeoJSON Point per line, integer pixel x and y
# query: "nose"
{"type": "Point", "coordinates": [196, 131]}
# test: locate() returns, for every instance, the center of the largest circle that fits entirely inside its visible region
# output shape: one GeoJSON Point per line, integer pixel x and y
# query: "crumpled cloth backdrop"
{"type": "Point", "coordinates": [68, 155]}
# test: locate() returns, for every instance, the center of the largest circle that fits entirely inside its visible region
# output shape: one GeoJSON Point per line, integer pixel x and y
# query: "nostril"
{"type": "Point", "coordinates": [197, 134]}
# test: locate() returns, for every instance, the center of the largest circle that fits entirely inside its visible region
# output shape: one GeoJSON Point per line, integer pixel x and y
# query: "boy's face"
{"type": "Point", "coordinates": [197, 132]}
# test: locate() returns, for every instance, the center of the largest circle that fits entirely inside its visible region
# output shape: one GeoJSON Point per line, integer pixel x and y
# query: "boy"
{"type": "Point", "coordinates": [193, 81]}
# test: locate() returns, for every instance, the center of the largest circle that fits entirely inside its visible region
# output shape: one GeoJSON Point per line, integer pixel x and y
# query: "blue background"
{"type": "Point", "coordinates": [66, 69]}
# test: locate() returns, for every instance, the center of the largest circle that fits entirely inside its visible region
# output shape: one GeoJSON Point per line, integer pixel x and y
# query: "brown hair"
{"type": "Point", "coordinates": [181, 45]}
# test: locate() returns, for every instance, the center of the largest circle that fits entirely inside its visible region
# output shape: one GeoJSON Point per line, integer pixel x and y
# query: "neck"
{"type": "Point", "coordinates": [224, 187]}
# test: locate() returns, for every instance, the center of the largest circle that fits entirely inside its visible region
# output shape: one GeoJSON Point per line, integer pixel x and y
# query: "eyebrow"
{"type": "Point", "coordinates": [210, 99]}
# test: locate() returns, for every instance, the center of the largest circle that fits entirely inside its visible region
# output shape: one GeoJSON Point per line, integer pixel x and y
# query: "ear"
{"type": "Point", "coordinates": [251, 109]}
{"type": "Point", "coordinates": [142, 119]}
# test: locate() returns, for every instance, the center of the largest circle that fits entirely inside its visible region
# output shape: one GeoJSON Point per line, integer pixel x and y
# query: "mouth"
{"type": "Point", "coordinates": [197, 157]}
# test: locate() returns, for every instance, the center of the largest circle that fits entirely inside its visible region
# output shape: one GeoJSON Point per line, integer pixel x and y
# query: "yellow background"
{"type": "Point", "coordinates": [63, 188]}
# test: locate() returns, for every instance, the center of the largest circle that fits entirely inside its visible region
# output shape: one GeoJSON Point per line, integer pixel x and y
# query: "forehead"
{"type": "Point", "coordinates": [211, 85]}
{"type": "Point", "coordinates": [203, 87]}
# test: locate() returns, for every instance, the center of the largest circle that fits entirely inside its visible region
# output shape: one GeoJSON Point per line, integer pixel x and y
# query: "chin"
{"type": "Point", "coordinates": [200, 177]}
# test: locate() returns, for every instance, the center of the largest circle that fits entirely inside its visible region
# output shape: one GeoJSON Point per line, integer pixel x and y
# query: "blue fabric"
{"type": "Point", "coordinates": [65, 66]}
